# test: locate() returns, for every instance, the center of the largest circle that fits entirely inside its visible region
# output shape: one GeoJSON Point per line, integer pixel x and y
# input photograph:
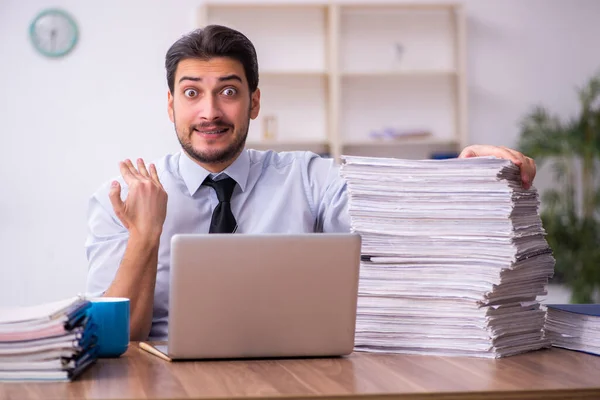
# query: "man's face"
{"type": "Point", "coordinates": [211, 107]}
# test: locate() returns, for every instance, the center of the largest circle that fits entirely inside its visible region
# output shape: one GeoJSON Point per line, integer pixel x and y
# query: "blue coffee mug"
{"type": "Point", "coordinates": [110, 315]}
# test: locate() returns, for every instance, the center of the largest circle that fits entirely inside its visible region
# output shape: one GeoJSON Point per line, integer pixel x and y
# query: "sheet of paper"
{"type": "Point", "coordinates": [454, 256]}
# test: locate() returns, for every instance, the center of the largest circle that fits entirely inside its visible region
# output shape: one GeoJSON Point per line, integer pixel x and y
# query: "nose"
{"type": "Point", "coordinates": [210, 109]}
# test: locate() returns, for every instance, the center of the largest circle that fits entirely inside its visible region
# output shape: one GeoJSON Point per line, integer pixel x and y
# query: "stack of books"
{"type": "Point", "coordinates": [454, 257]}
{"type": "Point", "coordinates": [574, 326]}
{"type": "Point", "coordinates": [49, 342]}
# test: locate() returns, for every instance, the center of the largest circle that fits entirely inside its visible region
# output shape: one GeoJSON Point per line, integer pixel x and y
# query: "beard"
{"type": "Point", "coordinates": [213, 156]}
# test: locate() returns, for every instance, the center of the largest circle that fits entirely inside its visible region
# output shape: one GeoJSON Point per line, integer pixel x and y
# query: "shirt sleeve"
{"type": "Point", "coordinates": [105, 244]}
{"type": "Point", "coordinates": [330, 199]}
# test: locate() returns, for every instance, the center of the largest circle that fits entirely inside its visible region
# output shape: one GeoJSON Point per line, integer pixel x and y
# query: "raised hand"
{"type": "Point", "coordinates": [144, 210]}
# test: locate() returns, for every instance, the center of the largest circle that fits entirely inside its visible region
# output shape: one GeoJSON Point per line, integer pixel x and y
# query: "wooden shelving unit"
{"type": "Point", "coordinates": [319, 147]}
{"type": "Point", "coordinates": [335, 76]}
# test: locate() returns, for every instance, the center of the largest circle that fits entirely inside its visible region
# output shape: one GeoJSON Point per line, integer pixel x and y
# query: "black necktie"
{"type": "Point", "coordinates": [222, 220]}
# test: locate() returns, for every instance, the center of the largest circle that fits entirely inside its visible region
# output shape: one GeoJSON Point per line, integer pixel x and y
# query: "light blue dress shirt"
{"type": "Point", "coordinates": [288, 192]}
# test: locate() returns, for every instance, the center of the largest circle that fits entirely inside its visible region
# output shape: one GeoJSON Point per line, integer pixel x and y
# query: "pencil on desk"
{"type": "Point", "coordinates": [152, 350]}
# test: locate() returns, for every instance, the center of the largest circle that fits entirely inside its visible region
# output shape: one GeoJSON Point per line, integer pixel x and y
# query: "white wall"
{"type": "Point", "coordinates": [64, 124]}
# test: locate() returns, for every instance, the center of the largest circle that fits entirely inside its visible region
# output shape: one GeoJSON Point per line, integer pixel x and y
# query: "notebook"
{"type": "Point", "coordinates": [574, 326]}
{"type": "Point", "coordinates": [46, 342]}
{"type": "Point", "coordinates": [261, 295]}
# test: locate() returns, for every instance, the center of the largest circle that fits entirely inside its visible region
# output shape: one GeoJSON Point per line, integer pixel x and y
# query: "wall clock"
{"type": "Point", "coordinates": [53, 33]}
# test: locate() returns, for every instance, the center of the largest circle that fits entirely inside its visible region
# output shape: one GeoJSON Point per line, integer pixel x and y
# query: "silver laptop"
{"type": "Point", "coordinates": [266, 295]}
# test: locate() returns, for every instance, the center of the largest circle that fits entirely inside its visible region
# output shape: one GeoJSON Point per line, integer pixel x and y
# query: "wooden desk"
{"type": "Point", "coordinates": [546, 374]}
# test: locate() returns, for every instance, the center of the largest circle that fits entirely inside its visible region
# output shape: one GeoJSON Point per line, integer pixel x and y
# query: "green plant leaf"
{"type": "Point", "coordinates": [571, 224]}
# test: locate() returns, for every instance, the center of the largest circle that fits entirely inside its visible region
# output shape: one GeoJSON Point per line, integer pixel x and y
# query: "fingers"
{"type": "Point", "coordinates": [528, 171]}
{"type": "Point", "coordinates": [129, 171]}
{"type": "Point", "coordinates": [131, 174]}
{"type": "Point", "coordinates": [516, 158]}
{"type": "Point", "coordinates": [532, 167]}
{"type": "Point", "coordinates": [154, 175]}
{"type": "Point", "coordinates": [115, 200]}
{"type": "Point", "coordinates": [467, 153]}
{"type": "Point", "coordinates": [142, 168]}
{"type": "Point", "coordinates": [130, 166]}
{"type": "Point", "coordinates": [506, 154]}
{"type": "Point", "coordinates": [125, 167]}
{"type": "Point", "coordinates": [526, 164]}
{"type": "Point", "coordinates": [496, 151]}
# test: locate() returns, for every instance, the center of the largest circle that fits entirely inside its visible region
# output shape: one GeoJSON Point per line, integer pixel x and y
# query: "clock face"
{"type": "Point", "coordinates": [53, 33]}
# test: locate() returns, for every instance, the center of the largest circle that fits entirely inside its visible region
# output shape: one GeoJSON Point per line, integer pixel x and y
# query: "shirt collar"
{"type": "Point", "coordinates": [193, 175]}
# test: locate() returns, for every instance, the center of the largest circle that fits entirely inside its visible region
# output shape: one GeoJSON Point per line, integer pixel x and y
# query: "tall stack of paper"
{"type": "Point", "coordinates": [454, 256]}
{"type": "Point", "coordinates": [52, 341]}
{"type": "Point", "coordinates": [574, 326]}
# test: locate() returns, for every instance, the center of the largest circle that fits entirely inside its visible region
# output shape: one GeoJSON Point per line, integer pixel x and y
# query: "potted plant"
{"type": "Point", "coordinates": [570, 209]}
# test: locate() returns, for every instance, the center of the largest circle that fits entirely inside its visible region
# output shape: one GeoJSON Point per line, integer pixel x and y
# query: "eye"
{"type": "Point", "coordinates": [191, 93]}
{"type": "Point", "coordinates": [229, 91]}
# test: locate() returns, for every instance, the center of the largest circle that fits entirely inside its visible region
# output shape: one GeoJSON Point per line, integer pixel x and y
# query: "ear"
{"type": "Point", "coordinates": [255, 104]}
{"type": "Point", "coordinates": [170, 107]}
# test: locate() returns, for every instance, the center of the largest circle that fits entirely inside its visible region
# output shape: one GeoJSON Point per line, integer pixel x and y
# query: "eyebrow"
{"type": "Point", "coordinates": [221, 78]}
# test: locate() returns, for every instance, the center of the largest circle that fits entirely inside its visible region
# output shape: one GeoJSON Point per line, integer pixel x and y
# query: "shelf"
{"type": "Point", "coordinates": [409, 148]}
{"type": "Point", "coordinates": [282, 43]}
{"type": "Point", "coordinates": [401, 6]}
{"type": "Point", "coordinates": [299, 73]}
{"type": "Point", "coordinates": [325, 4]}
{"type": "Point", "coordinates": [401, 142]}
{"type": "Point", "coordinates": [361, 74]}
{"type": "Point", "coordinates": [405, 73]}
{"type": "Point", "coordinates": [402, 105]}
{"type": "Point", "coordinates": [289, 99]}
{"type": "Point", "coordinates": [394, 38]}
{"type": "Point", "coordinates": [333, 73]}
{"type": "Point", "coordinates": [315, 147]}
{"type": "Point", "coordinates": [238, 5]}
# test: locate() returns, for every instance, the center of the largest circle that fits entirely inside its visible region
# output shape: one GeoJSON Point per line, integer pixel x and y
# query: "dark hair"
{"type": "Point", "coordinates": [213, 41]}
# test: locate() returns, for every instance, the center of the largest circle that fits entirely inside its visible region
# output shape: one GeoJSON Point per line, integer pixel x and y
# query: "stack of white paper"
{"type": "Point", "coordinates": [574, 326]}
{"type": "Point", "coordinates": [52, 341]}
{"type": "Point", "coordinates": [454, 256]}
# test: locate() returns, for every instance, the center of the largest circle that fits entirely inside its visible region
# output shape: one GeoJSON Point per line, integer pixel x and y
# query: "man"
{"type": "Point", "coordinates": [213, 184]}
